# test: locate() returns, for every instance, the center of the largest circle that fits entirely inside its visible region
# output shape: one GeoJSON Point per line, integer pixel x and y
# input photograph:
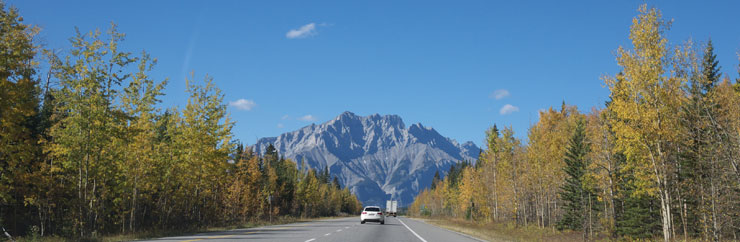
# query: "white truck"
{"type": "Point", "coordinates": [391, 208]}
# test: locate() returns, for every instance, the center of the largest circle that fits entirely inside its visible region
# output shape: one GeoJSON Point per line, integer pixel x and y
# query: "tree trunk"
{"type": "Point", "coordinates": [524, 211]}
{"type": "Point", "coordinates": [133, 207]}
{"type": "Point", "coordinates": [685, 227]}
{"type": "Point", "coordinates": [80, 202]}
{"type": "Point", "coordinates": [590, 222]}
{"type": "Point", "coordinates": [665, 211]}
{"type": "Point", "coordinates": [683, 213]}
{"type": "Point", "coordinates": [715, 226]}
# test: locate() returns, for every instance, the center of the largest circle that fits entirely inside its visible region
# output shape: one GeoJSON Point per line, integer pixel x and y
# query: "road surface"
{"type": "Point", "coordinates": [333, 230]}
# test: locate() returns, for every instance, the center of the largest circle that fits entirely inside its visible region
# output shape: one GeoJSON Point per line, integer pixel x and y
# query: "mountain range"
{"type": "Point", "coordinates": [376, 157]}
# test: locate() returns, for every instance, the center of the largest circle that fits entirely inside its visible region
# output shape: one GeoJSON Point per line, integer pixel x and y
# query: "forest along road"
{"type": "Point", "coordinates": [335, 230]}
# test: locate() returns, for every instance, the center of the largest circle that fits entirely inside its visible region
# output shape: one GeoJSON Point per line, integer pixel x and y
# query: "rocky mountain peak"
{"type": "Point", "coordinates": [376, 156]}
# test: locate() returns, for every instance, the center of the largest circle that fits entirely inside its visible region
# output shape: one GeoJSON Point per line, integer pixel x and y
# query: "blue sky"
{"type": "Point", "coordinates": [452, 65]}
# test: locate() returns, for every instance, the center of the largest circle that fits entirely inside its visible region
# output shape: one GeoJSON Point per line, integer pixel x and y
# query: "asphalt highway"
{"type": "Point", "coordinates": [333, 230]}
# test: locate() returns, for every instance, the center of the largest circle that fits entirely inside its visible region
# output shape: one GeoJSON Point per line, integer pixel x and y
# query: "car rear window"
{"type": "Point", "coordinates": [372, 209]}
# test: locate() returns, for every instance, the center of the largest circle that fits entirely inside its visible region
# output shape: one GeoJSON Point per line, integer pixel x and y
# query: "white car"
{"type": "Point", "coordinates": [372, 214]}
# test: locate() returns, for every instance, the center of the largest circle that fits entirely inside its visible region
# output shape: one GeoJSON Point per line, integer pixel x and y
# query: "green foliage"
{"type": "Point", "coordinates": [659, 160]}
{"type": "Point", "coordinates": [90, 153]}
{"type": "Point", "coordinates": [638, 215]}
{"type": "Point", "coordinates": [710, 68]}
{"type": "Point", "coordinates": [20, 120]}
{"type": "Point", "coordinates": [574, 192]}
{"type": "Point", "coordinates": [435, 180]}
{"type": "Point", "coordinates": [99, 157]}
{"type": "Point", "coordinates": [454, 175]}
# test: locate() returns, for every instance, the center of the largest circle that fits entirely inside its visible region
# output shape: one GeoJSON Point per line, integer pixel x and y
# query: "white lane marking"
{"type": "Point", "coordinates": [327, 234]}
{"type": "Point", "coordinates": [339, 230]}
{"type": "Point", "coordinates": [461, 234]}
{"type": "Point", "coordinates": [310, 240]}
{"type": "Point", "coordinates": [346, 227]}
{"type": "Point", "coordinates": [407, 227]}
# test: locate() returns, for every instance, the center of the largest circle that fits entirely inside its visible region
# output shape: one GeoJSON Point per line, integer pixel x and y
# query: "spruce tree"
{"type": "Point", "coordinates": [327, 176]}
{"type": "Point", "coordinates": [479, 162]}
{"type": "Point", "coordinates": [435, 180]}
{"type": "Point", "coordinates": [572, 191]}
{"type": "Point", "coordinates": [336, 184]}
{"type": "Point", "coordinates": [271, 155]}
{"type": "Point", "coordinates": [697, 153]}
{"type": "Point", "coordinates": [19, 120]}
{"type": "Point", "coordinates": [638, 215]}
{"type": "Point", "coordinates": [710, 68]}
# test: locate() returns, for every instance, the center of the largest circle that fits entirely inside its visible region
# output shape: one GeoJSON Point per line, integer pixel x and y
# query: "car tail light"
{"type": "Point", "coordinates": [380, 213]}
{"type": "Point", "coordinates": [364, 212]}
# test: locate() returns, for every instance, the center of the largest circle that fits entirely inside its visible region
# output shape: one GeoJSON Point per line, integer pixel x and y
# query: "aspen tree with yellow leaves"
{"type": "Point", "coordinates": [662, 159]}
{"type": "Point", "coordinates": [20, 120]}
{"type": "Point", "coordinates": [645, 103]}
{"type": "Point", "coordinates": [604, 166]}
{"type": "Point", "coordinates": [99, 157]}
{"type": "Point", "coordinates": [87, 150]}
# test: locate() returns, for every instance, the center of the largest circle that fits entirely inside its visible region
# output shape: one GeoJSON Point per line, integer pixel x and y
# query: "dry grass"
{"type": "Point", "coordinates": [503, 231]}
{"type": "Point", "coordinates": [508, 232]}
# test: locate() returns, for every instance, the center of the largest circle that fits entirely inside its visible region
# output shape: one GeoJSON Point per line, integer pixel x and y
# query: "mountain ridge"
{"type": "Point", "coordinates": [376, 156]}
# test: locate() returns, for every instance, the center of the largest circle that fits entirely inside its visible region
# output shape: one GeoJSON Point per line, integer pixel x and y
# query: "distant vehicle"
{"type": "Point", "coordinates": [372, 214]}
{"type": "Point", "coordinates": [391, 208]}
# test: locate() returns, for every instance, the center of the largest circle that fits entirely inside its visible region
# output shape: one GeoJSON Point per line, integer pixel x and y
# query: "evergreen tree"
{"type": "Point", "coordinates": [97, 157]}
{"type": "Point", "coordinates": [574, 194]}
{"type": "Point", "coordinates": [700, 145]}
{"type": "Point", "coordinates": [710, 68]}
{"type": "Point", "coordinates": [639, 218]}
{"type": "Point", "coordinates": [646, 99]}
{"type": "Point", "coordinates": [638, 215]}
{"type": "Point", "coordinates": [435, 180]}
{"type": "Point", "coordinates": [271, 155]}
{"type": "Point", "coordinates": [479, 161]}
{"type": "Point", "coordinates": [19, 120]}
{"type": "Point", "coordinates": [336, 184]}
{"type": "Point", "coordinates": [325, 176]}
{"type": "Point", "coordinates": [455, 173]}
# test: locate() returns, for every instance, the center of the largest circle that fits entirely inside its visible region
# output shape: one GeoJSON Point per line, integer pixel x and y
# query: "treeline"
{"type": "Point", "coordinates": [661, 159]}
{"type": "Point", "coordinates": [85, 151]}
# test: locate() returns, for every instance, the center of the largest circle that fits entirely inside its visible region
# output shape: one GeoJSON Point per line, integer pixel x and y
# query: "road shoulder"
{"type": "Point", "coordinates": [211, 231]}
{"type": "Point", "coordinates": [477, 234]}
{"type": "Point", "coordinates": [439, 227]}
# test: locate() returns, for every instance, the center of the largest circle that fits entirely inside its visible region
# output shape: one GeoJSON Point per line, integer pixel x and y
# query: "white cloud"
{"type": "Point", "coordinates": [302, 32]}
{"type": "Point", "coordinates": [285, 117]}
{"type": "Point", "coordinates": [280, 126]}
{"type": "Point", "coordinates": [499, 94]}
{"type": "Point", "coordinates": [508, 109]}
{"type": "Point", "coordinates": [243, 104]}
{"type": "Point", "coordinates": [307, 118]}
